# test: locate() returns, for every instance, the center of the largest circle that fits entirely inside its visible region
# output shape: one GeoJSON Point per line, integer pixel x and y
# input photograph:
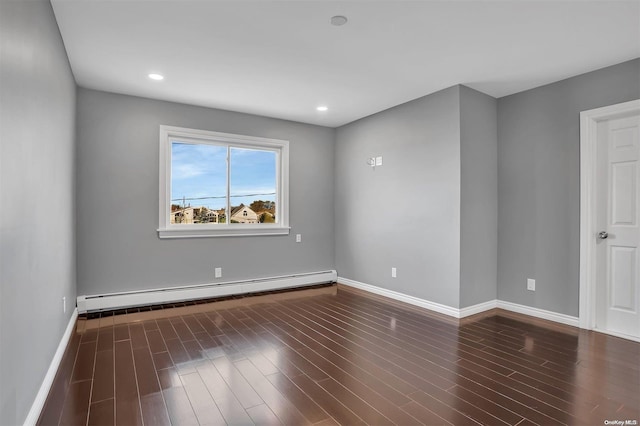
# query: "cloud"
{"type": "Point", "coordinates": [194, 160]}
{"type": "Point", "coordinates": [186, 171]}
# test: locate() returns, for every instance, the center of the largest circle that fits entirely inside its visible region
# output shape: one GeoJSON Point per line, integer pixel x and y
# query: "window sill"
{"type": "Point", "coordinates": [228, 232]}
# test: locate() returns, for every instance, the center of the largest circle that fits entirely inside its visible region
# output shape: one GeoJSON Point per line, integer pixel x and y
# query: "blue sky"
{"type": "Point", "coordinates": [201, 171]}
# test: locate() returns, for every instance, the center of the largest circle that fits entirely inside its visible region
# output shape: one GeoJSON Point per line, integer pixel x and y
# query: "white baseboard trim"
{"type": "Point", "coordinates": [464, 312]}
{"type": "Point", "coordinates": [202, 291]}
{"type": "Point", "coordinates": [416, 301]}
{"type": "Point", "coordinates": [47, 382]}
{"type": "Point", "coordinates": [539, 313]}
{"type": "Point", "coordinates": [476, 309]}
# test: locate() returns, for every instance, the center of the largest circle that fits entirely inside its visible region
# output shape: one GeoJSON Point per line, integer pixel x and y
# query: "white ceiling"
{"type": "Point", "coordinates": [283, 58]}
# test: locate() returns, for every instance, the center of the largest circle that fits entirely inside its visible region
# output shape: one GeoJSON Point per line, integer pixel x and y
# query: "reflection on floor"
{"type": "Point", "coordinates": [334, 355]}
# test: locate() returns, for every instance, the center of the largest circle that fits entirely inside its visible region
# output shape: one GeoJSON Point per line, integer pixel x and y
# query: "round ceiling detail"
{"type": "Point", "coordinates": [338, 20]}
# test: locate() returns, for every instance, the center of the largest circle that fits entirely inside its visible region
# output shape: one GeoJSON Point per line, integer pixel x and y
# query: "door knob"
{"type": "Point", "coordinates": [603, 235]}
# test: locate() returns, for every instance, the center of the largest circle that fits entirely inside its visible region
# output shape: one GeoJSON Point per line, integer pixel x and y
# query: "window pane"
{"type": "Point", "coordinates": [253, 186]}
{"type": "Point", "coordinates": [198, 183]}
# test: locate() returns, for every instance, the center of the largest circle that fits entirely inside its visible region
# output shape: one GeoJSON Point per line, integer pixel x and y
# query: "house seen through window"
{"type": "Point", "coordinates": [222, 182]}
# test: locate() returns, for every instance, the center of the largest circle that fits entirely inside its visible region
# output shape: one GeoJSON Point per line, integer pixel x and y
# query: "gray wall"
{"type": "Point", "coordinates": [406, 213]}
{"type": "Point", "coordinates": [479, 197]}
{"type": "Point", "coordinates": [37, 255]}
{"type": "Point", "coordinates": [539, 184]}
{"type": "Point", "coordinates": [117, 198]}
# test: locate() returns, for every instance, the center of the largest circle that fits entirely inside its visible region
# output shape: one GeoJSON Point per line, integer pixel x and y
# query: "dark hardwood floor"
{"type": "Point", "coordinates": [336, 356]}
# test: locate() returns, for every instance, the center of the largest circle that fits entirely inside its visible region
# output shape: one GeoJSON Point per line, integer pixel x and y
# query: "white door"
{"type": "Point", "coordinates": [618, 226]}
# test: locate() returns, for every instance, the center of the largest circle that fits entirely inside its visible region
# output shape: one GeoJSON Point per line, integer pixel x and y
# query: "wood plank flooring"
{"type": "Point", "coordinates": [336, 356]}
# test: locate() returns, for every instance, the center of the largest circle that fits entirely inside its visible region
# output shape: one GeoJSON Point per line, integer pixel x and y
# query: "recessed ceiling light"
{"type": "Point", "coordinates": [322, 108]}
{"type": "Point", "coordinates": [338, 20]}
{"type": "Point", "coordinates": [157, 77]}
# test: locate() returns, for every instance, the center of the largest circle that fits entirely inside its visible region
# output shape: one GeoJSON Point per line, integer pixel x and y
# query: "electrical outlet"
{"type": "Point", "coordinates": [531, 284]}
{"type": "Point", "coordinates": [64, 305]}
{"type": "Point", "coordinates": [218, 273]}
{"type": "Point", "coordinates": [379, 161]}
{"type": "Point", "coordinates": [394, 273]}
{"type": "Point", "coordinates": [298, 238]}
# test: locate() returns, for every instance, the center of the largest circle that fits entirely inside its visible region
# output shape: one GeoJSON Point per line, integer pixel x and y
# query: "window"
{"type": "Point", "coordinates": [218, 184]}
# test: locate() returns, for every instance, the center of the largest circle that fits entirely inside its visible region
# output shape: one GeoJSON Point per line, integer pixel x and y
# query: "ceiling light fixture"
{"type": "Point", "coordinates": [322, 108]}
{"type": "Point", "coordinates": [338, 20]}
{"type": "Point", "coordinates": [156, 77]}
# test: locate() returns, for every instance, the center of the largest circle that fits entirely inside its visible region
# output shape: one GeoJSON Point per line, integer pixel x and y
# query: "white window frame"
{"type": "Point", "coordinates": [168, 230]}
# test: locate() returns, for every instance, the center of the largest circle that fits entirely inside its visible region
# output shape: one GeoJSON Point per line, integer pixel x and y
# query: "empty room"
{"type": "Point", "coordinates": [313, 212]}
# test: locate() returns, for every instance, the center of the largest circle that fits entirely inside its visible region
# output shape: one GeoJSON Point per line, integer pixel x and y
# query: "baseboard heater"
{"type": "Point", "coordinates": [102, 302]}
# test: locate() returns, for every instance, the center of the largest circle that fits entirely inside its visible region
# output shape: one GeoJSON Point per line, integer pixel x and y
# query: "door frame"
{"type": "Point", "coordinates": [588, 210]}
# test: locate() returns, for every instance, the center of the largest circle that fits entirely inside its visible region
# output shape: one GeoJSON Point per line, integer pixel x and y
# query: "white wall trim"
{"type": "Point", "coordinates": [47, 382]}
{"type": "Point", "coordinates": [200, 291]}
{"type": "Point", "coordinates": [588, 168]}
{"type": "Point", "coordinates": [539, 313]}
{"type": "Point", "coordinates": [464, 312]}
{"type": "Point", "coordinates": [204, 137]}
{"type": "Point", "coordinates": [432, 306]}
{"type": "Point", "coordinates": [476, 309]}
{"type": "Point", "coordinates": [416, 301]}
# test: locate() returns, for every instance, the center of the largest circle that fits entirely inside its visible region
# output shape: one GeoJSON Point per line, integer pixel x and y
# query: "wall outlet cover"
{"type": "Point", "coordinates": [218, 272]}
{"type": "Point", "coordinates": [531, 284]}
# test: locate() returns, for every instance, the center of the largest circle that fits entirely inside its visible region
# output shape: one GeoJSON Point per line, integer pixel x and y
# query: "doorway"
{"type": "Point", "coordinates": [610, 220]}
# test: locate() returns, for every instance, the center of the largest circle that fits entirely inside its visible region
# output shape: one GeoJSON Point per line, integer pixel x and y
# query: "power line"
{"type": "Point", "coordinates": [222, 196]}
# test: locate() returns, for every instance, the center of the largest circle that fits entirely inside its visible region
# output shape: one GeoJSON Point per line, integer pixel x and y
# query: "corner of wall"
{"type": "Point", "coordinates": [478, 197]}
{"type": "Point", "coordinates": [419, 141]}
